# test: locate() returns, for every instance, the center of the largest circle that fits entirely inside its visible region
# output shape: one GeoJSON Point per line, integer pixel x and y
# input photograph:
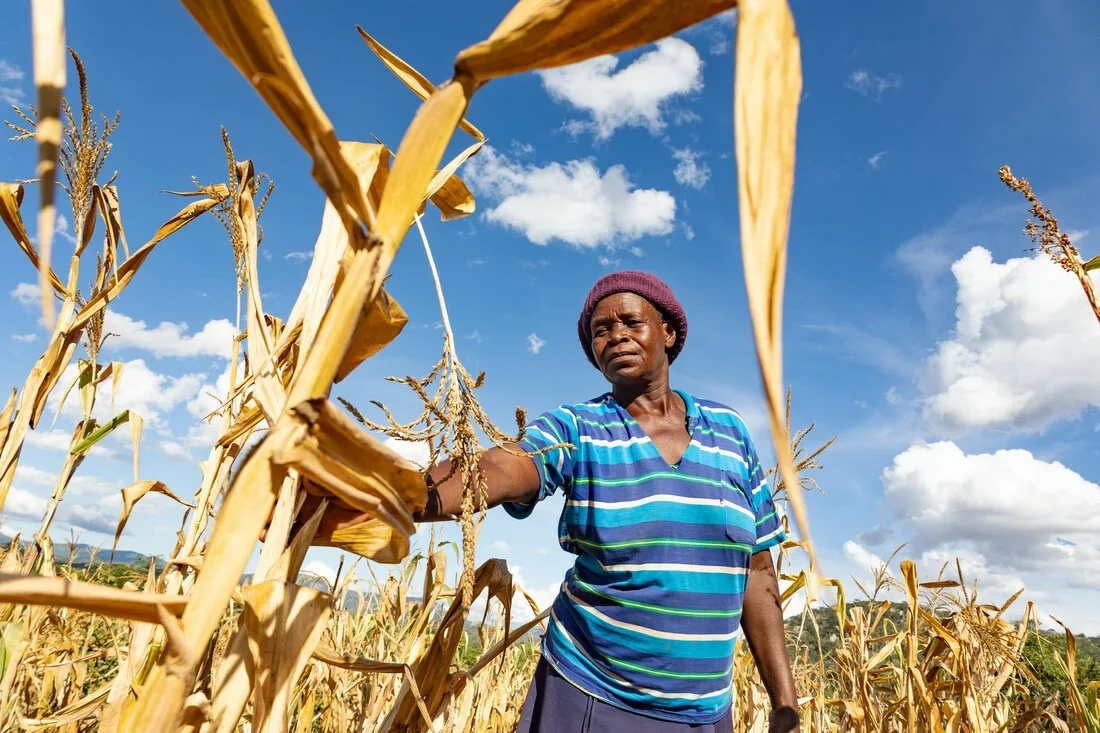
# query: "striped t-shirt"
{"type": "Point", "coordinates": [646, 618]}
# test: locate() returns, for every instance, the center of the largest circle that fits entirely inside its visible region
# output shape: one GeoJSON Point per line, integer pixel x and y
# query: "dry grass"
{"type": "Point", "coordinates": [189, 647]}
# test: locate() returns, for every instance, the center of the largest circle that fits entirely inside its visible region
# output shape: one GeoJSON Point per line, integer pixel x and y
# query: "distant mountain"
{"type": "Point", "coordinates": [81, 554]}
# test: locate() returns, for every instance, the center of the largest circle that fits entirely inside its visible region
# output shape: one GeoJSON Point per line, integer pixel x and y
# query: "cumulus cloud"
{"type": "Point", "coordinates": [174, 450]}
{"type": "Point", "coordinates": [148, 393]}
{"type": "Point", "coordinates": [25, 338]}
{"type": "Point", "coordinates": [1008, 505]}
{"type": "Point", "coordinates": [298, 257]}
{"type": "Point", "coordinates": [169, 339]}
{"type": "Point", "coordinates": [689, 170]}
{"type": "Point", "coordinates": [321, 570]}
{"type": "Point", "coordinates": [535, 344]}
{"type": "Point", "coordinates": [573, 203]}
{"type": "Point", "coordinates": [26, 294]}
{"type": "Point", "coordinates": [1024, 350]}
{"type": "Point", "coordinates": [875, 160]}
{"type": "Point", "coordinates": [11, 83]}
{"type": "Point", "coordinates": [637, 95]}
{"type": "Point", "coordinates": [414, 451]}
{"type": "Point", "coordinates": [871, 85]}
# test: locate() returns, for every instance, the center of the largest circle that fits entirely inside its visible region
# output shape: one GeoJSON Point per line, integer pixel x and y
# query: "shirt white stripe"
{"type": "Point", "coordinates": [767, 537]}
{"type": "Point", "coordinates": [720, 451]}
{"type": "Point", "coordinates": [669, 498]}
{"type": "Point", "coordinates": [673, 567]}
{"type": "Point", "coordinates": [614, 443]}
{"type": "Point", "coordinates": [624, 683]}
{"type": "Point", "coordinates": [634, 628]}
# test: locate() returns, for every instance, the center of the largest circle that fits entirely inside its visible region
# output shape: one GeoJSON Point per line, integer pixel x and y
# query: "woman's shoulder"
{"type": "Point", "coordinates": [721, 413]}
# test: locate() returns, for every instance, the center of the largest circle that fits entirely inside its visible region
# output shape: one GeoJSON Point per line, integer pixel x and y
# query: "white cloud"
{"type": "Point", "coordinates": [61, 440]}
{"type": "Point", "coordinates": [634, 96]}
{"type": "Point", "coordinates": [172, 449]}
{"type": "Point", "coordinates": [522, 150]}
{"type": "Point", "coordinates": [11, 83]}
{"type": "Point", "coordinates": [876, 159]}
{"type": "Point", "coordinates": [499, 546]}
{"type": "Point", "coordinates": [169, 339]}
{"type": "Point", "coordinates": [298, 256]}
{"type": "Point", "coordinates": [25, 338]}
{"type": "Point", "coordinates": [148, 393]}
{"type": "Point", "coordinates": [689, 171]}
{"type": "Point", "coordinates": [573, 202]}
{"type": "Point", "coordinates": [23, 504]}
{"type": "Point", "coordinates": [1024, 351]}
{"type": "Point", "coordinates": [80, 484]}
{"type": "Point", "coordinates": [61, 229]}
{"type": "Point", "coordinates": [27, 294]}
{"type": "Point", "coordinates": [1005, 504]}
{"type": "Point", "coordinates": [321, 570]}
{"type": "Point", "coordinates": [535, 344]}
{"type": "Point", "coordinates": [689, 233]}
{"type": "Point", "coordinates": [417, 452]}
{"type": "Point", "coordinates": [871, 85]}
{"type": "Point", "coordinates": [892, 396]}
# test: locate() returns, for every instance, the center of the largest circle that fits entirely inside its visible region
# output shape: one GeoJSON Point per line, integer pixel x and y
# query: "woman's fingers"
{"type": "Point", "coordinates": [337, 515]}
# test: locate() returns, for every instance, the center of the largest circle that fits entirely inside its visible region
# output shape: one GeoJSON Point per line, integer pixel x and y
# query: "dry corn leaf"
{"type": "Point", "coordinates": [371, 164]}
{"type": "Point", "coordinates": [11, 198]}
{"type": "Point", "coordinates": [91, 597]}
{"type": "Point", "coordinates": [82, 709]}
{"type": "Point", "coordinates": [412, 78]}
{"type": "Point", "coordinates": [134, 493]}
{"type": "Point", "coordinates": [539, 34]}
{"type": "Point", "coordinates": [284, 623]}
{"type": "Point", "coordinates": [243, 513]}
{"type": "Point", "coordinates": [374, 539]}
{"type": "Point", "coordinates": [249, 35]}
{"type": "Point", "coordinates": [136, 423]}
{"type": "Point", "coordinates": [448, 192]}
{"type": "Point", "coordinates": [381, 321]}
{"type": "Point", "coordinates": [414, 168]}
{"type": "Point", "coordinates": [768, 86]}
{"type": "Point", "coordinates": [48, 26]}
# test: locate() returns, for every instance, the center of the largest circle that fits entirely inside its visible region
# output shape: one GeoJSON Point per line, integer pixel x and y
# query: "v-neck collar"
{"type": "Point", "coordinates": [691, 411]}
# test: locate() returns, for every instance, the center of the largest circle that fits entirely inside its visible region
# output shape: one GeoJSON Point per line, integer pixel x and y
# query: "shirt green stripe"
{"type": "Point", "coordinates": [661, 541]}
{"type": "Point", "coordinates": [657, 609]}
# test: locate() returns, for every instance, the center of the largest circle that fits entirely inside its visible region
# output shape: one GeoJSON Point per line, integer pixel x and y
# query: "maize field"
{"type": "Point", "coordinates": [190, 646]}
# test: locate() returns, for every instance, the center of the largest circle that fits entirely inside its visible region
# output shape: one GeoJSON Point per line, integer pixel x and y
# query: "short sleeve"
{"type": "Point", "coordinates": [769, 525]}
{"type": "Point", "coordinates": [555, 434]}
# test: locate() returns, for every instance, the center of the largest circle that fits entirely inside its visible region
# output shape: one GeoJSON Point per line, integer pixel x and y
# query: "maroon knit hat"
{"type": "Point", "coordinates": [647, 286]}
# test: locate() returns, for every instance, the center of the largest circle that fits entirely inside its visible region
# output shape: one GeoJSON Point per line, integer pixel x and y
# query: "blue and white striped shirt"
{"type": "Point", "coordinates": [647, 616]}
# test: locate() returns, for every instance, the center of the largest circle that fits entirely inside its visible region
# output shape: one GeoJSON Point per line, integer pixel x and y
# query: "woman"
{"type": "Point", "coordinates": [671, 520]}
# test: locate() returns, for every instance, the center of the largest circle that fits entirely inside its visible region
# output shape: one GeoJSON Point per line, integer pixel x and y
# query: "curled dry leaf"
{"type": "Point", "coordinates": [539, 34]}
{"type": "Point", "coordinates": [134, 493]}
{"type": "Point", "coordinates": [412, 78]}
{"type": "Point", "coordinates": [284, 623]}
{"type": "Point", "coordinates": [11, 198]}
{"type": "Point", "coordinates": [381, 321]}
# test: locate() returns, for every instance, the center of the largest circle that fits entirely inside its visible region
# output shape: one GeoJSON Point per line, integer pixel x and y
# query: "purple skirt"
{"type": "Point", "coordinates": [553, 705]}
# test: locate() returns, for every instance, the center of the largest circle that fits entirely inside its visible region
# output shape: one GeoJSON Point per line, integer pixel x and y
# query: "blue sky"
{"type": "Point", "coordinates": [961, 382]}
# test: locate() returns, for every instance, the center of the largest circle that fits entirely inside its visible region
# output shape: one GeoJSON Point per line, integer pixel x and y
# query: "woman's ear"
{"type": "Point", "coordinates": [670, 335]}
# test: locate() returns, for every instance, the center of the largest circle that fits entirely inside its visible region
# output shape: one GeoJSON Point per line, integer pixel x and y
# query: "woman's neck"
{"type": "Point", "coordinates": [655, 399]}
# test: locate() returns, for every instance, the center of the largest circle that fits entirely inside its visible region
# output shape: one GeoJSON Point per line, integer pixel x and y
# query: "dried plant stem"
{"type": "Point", "coordinates": [473, 481]}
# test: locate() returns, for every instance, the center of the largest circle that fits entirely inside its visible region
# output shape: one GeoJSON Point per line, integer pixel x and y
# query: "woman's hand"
{"type": "Point", "coordinates": [337, 514]}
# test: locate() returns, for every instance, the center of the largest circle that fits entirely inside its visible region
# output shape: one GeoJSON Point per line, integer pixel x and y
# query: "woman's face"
{"type": "Point", "coordinates": [630, 339]}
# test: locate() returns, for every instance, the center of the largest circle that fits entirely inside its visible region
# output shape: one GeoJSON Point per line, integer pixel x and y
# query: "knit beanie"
{"type": "Point", "coordinates": [647, 286]}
